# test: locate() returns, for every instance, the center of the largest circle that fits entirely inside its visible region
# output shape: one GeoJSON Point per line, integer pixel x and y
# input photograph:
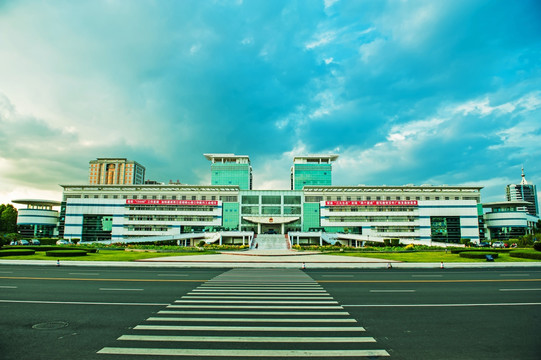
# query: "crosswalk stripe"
{"type": "Point", "coordinates": [243, 353]}
{"type": "Point", "coordinates": [266, 296]}
{"type": "Point", "coordinates": [262, 301]}
{"type": "Point", "coordinates": [266, 320]}
{"type": "Point", "coordinates": [288, 313]}
{"type": "Point", "coordinates": [249, 328]}
{"type": "Point", "coordinates": [250, 339]}
{"type": "Point", "coordinates": [297, 307]}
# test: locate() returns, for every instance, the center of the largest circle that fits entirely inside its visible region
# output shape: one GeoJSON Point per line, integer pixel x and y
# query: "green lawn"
{"type": "Point", "coordinates": [106, 255]}
{"type": "Point", "coordinates": [428, 256]}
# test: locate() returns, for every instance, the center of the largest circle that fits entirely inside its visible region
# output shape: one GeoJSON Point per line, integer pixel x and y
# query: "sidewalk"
{"type": "Point", "coordinates": [272, 259]}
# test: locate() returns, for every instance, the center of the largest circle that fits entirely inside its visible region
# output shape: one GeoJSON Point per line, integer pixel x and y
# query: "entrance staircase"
{"type": "Point", "coordinates": [270, 242]}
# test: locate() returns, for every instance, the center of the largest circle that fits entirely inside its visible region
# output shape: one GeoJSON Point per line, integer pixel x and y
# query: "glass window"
{"type": "Point", "coordinates": [292, 210]}
{"type": "Point", "coordinates": [293, 200]}
{"type": "Point", "coordinates": [271, 199]}
{"type": "Point", "coordinates": [250, 199]}
{"type": "Point", "coordinates": [270, 210]}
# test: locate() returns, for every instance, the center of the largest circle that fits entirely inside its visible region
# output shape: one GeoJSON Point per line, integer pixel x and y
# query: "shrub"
{"type": "Point", "coordinates": [526, 254]}
{"type": "Point", "coordinates": [537, 245]}
{"type": "Point", "coordinates": [65, 253]}
{"type": "Point", "coordinates": [201, 243]}
{"type": "Point", "coordinates": [477, 254]}
{"type": "Point", "coordinates": [387, 242]}
{"type": "Point", "coordinates": [17, 252]}
{"type": "Point", "coordinates": [395, 242]}
{"type": "Point", "coordinates": [409, 247]}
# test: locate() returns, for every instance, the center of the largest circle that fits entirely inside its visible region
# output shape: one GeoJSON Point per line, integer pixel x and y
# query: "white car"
{"type": "Point", "coordinates": [63, 242]}
{"type": "Point", "coordinates": [498, 244]}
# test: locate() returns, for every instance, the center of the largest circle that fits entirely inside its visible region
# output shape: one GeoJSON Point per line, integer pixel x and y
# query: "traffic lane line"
{"type": "Point", "coordinates": [520, 289]}
{"type": "Point", "coordinates": [243, 353]}
{"type": "Point", "coordinates": [80, 303]}
{"type": "Point", "coordinates": [442, 305]}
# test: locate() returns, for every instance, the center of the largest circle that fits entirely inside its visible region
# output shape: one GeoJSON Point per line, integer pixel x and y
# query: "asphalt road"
{"type": "Point", "coordinates": [144, 313]}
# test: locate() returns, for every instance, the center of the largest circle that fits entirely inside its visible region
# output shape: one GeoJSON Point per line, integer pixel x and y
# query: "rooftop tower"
{"type": "Point", "coordinates": [115, 171]}
{"type": "Point", "coordinates": [312, 170]}
{"type": "Point", "coordinates": [230, 169]}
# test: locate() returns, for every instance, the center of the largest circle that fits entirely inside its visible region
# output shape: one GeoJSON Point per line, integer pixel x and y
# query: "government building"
{"type": "Point", "coordinates": [229, 211]}
{"type": "Point", "coordinates": [119, 206]}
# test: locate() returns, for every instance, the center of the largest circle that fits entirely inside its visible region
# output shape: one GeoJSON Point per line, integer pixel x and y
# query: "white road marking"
{"type": "Point", "coordinates": [298, 307]}
{"type": "Point", "coordinates": [82, 273]}
{"type": "Point", "coordinates": [243, 353]}
{"type": "Point", "coordinates": [249, 339]}
{"type": "Point", "coordinates": [7, 287]}
{"type": "Point", "coordinates": [427, 275]}
{"type": "Point", "coordinates": [6, 272]}
{"type": "Point", "coordinates": [392, 291]}
{"type": "Point", "coordinates": [119, 289]}
{"type": "Point", "coordinates": [520, 289]}
{"type": "Point", "coordinates": [286, 320]}
{"type": "Point", "coordinates": [443, 305]}
{"type": "Point", "coordinates": [262, 301]}
{"type": "Point", "coordinates": [337, 275]}
{"type": "Point", "coordinates": [260, 297]}
{"type": "Point", "coordinates": [80, 303]}
{"type": "Point", "coordinates": [249, 328]}
{"type": "Point", "coordinates": [204, 312]}
{"type": "Point", "coordinates": [212, 291]}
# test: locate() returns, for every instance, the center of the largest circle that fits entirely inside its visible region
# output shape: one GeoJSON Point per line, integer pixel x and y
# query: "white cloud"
{"type": "Point", "coordinates": [321, 39]}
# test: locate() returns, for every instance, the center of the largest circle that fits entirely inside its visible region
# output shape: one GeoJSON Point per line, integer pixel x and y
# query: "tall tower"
{"type": "Point", "coordinates": [230, 169]}
{"type": "Point", "coordinates": [311, 170]}
{"type": "Point", "coordinates": [526, 192]}
{"type": "Point", "coordinates": [115, 171]}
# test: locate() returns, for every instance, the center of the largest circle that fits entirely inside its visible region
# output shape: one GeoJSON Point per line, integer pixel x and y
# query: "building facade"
{"type": "Point", "coordinates": [312, 170]}
{"type": "Point", "coordinates": [418, 214]}
{"type": "Point", "coordinates": [230, 169]}
{"type": "Point", "coordinates": [506, 220]}
{"type": "Point", "coordinates": [38, 219]}
{"type": "Point", "coordinates": [115, 171]}
{"type": "Point", "coordinates": [526, 192]}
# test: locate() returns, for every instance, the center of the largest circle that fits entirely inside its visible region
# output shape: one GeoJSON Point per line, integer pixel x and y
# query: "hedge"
{"type": "Point", "coordinates": [461, 250]}
{"type": "Point", "coordinates": [64, 253]}
{"type": "Point", "coordinates": [477, 254]}
{"type": "Point", "coordinates": [48, 248]}
{"type": "Point", "coordinates": [17, 252]}
{"type": "Point", "coordinates": [526, 254]}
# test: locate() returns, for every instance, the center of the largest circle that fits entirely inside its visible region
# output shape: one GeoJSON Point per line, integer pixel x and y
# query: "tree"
{"type": "Point", "coordinates": [8, 219]}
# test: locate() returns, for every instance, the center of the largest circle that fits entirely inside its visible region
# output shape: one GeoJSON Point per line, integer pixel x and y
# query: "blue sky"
{"type": "Point", "coordinates": [405, 92]}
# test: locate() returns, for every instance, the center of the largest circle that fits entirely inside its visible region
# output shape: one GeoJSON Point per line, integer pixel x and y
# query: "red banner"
{"type": "Point", "coordinates": [373, 203]}
{"type": "Point", "coordinates": [171, 202]}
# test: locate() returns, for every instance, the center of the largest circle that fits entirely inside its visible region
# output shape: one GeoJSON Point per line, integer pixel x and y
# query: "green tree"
{"type": "Point", "coordinates": [8, 219]}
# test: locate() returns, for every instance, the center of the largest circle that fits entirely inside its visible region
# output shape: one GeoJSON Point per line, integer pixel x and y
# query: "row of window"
{"type": "Point", "coordinates": [181, 218]}
{"type": "Point", "coordinates": [372, 219]}
{"type": "Point", "coordinates": [394, 229]}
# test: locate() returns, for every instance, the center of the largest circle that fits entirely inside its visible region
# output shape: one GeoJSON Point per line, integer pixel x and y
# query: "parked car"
{"type": "Point", "coordinates": [483, 244]}
{"type": "Point", "coordinates": [270, 231]}
{"type": "Point", "coordinates": [24, 242]}
{"type": "Point", "coordinates": [62, 242]}
{"type": "Point", "coordinates": [35, 242]}
{"type": "Point", "coordinates": [498, 244]}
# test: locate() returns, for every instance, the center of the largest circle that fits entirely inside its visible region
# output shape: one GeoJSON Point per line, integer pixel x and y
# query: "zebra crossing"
{"type": "Point", "coordinates": [252, 313]}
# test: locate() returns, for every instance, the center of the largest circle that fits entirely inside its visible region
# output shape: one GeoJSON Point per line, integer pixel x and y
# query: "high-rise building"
{"type": "Point", "coordinates": [115, 171]}
{"type": "Point", "coordinates": [314, 170]}
{"type": "Point", "coordinates": [526, 192]}
{"type": "Point", "coordinates": [230, 169]}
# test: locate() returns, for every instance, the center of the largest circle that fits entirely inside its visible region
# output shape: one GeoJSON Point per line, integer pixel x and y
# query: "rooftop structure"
{"type": "Point", "coordinates": [230, 169]}
{"type": "Point", "coordinates": [115, 171]}
{"type": "Point", "coordinates": [526, 192]}
{"type": "Point", "coordinates": [311, 170]}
